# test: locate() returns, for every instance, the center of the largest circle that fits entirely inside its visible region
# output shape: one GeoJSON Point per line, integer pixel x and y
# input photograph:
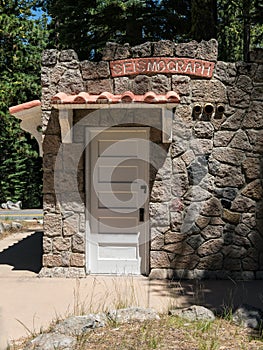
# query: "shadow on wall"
{"type": "Point", "coordinates": [25, 255]}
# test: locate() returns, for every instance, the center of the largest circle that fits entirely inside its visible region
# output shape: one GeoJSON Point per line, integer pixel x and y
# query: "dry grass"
{"type": "Point", "coordinates": [169, 333]}
{"type": "Point", "coordinates": [27, 226]}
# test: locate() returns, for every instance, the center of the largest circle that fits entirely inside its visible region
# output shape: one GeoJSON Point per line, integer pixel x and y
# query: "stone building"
{"type": "Point", "coordinates": [152, 162]}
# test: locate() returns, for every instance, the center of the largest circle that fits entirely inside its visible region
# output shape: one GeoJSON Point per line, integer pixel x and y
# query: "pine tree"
{"type": "Point", "coordinates": [22, 40]}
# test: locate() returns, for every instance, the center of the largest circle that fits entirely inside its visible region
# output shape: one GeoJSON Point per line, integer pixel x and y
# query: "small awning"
{"type": "Point", "coordinates": [30, 112]}
{"type": "Point", "coordinates": [30, 115]}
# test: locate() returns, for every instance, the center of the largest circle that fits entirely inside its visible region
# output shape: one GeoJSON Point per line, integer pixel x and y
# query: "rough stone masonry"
{"type": "Point", "coordinates": [206, 209]}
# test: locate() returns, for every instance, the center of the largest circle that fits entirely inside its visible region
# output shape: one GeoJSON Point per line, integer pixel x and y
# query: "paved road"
{"type": "Point", "coordinates": [24, 214]}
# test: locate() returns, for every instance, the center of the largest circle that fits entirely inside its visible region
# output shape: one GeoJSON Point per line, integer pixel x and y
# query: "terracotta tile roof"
{"type": "Point", "coordinates": [107, 97]}
{"type": "Point", "coordinates": [24, 106]}
{"type": "Point", "coordinates": [104, 97]}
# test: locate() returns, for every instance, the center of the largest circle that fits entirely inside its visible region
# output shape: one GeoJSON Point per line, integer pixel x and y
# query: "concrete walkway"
{"type": "Point", "coordinates": [29, 304]}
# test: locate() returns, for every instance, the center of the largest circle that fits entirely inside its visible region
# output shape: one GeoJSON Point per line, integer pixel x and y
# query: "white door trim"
{"type": "Point", "coordinates": [144, 245]}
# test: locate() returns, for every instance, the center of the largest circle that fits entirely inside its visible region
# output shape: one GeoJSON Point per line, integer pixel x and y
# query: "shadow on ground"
{"type": "Point", "coordinates": [219, 295]}
{"type": "Point", "coordinates": [25, 255]}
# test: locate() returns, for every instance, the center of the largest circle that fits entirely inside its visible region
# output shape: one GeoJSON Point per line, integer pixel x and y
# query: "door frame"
{"type": "Point", "coordinates": [144, 247]}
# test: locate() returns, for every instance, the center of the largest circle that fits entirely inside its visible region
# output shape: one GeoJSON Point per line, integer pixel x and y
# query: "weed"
{"type": "Point", "coordinates": [227, 313]}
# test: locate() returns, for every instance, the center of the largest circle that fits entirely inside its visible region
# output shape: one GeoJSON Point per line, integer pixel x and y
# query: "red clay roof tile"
{"type": "Point", "coordinates": [104, 97]}
{"type": "Point", "coordinates": [24, 106]}
{"type": "Point", "coordinates": [107, 97]}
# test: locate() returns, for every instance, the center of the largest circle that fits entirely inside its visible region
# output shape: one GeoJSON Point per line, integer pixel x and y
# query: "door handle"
{"type": "Point", "coordinates": [141, 214]}
{"type": "Point", "coordinates": [144, 188]}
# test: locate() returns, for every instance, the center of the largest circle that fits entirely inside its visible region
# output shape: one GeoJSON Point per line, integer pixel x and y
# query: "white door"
{"type": "Point", "coordinates": [117, 171]}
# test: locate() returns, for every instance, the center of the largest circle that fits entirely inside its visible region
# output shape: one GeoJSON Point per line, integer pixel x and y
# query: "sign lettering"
{"type": "Point", "coordinates": [185, 66]}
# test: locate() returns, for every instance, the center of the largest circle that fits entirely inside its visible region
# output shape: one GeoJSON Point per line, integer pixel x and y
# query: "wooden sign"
{"type": "Point", "coordinates": [176, 65]}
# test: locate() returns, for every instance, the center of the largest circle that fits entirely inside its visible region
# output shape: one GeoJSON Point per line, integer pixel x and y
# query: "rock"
{"type": "Point", "coordinates": [141, 84]}
{"type": "Point", "coordinates": [210, 247]}
{"type": "Point", "coordinates": [174, 237]}
{"type": "Point", "coordinates": [6, 226]}
{"type": "Point", "coordinates": [157, 239]}
{"type": "Point", "coordinates": [163, 48]}
{"type": "Point", "coordinates": [196, 172]}
{"type": "Point", "coordinates": [248, 316]}
{"type": "Point", "coordinates": [77, 260]}
{"type": "Point", "coordinates": [188, 157]}
{"type": "Point", "coordinates": [186, 262]}
{"type": "Point", "coordinates": [212, 232]}
{"type": "Point", "coordinates": [49, 57]}
{"type": "Point", "coordinates": [179, 184]}
{"type": "Point", "coordinates": [142, 50]}
{"type": "Point", "coordinates": [212, 207]}
{"type": "Point", "coordinates": [61, 244]}
{"type": "Point", "coordinates": [77, 325]}
{"type": "Point", "coordinates": [244, 83]}
{"type": "Point", "coordinates": [203, 130]}
{"type": "Point", "coordinates": [251, 167]}
{"type": "Point", "coordinates": [253, 117]}
{"type": "Point", "coordinates": [178, 146]}
{"type": "Point", "coordinates": [160, 191]}
{"type": "Point", "coordinates": [240, 141]}
{"type": "Point", "coordinates": [253, 190]}
{"type": "Point", "coordinates": [207, 50]}
{"type": "Point", "coordinates": [68, 55]}
{"type": "Point", "coordinates": [71, 82]}
{"type": "Point", "coordinates": [78, 244]}
{"type": "Point", "coordinates": [12, 205]}
{"type": "Point", "coordinates": [180, 84]}
{"type": "Point", "coordinates": [238, 97]}
{"type": "Point", "coordinates": [228, 175]}
{"type": "Point", "coordinates": [234, 252]}
{"type": "Point", "coordinates": [159, 259]}
{"type": "Point", "coordinates": [195, 241]}
{"type": "Point", "coordinates": [197, 194]}
{"type": "Point", "coordinates": [189, 227]}
{"type": "Point", "coordinates": [202, 221]}
{"type": "Point", "coordinates": [226, 72]}
{"type": "Point", "coordinates": [228, 155]}
{"type": "Point", "coordinates": [159, 214]}
{"type": "Point", "coordinates": [160, 84]}
{"type": "Point", "coordinates": [181, 248]}
{"type": "Point", "coordinates": [227, 192]}
{"type": "Point", "coordinates": [201, 146]}
{"type": "Point", "coordinates": [222, 138]}
{"type": "Point", "coordinates": [16, 225]}
{"type": "Point", "coordinates": [132, 314]}
{"type": "Point", "coordinates": [243, 204]}
{"type": "Point", "coordinates": [94, 70]}
{"type": "Point", "coordinates": [231, 216]}
{"type": "Point", "coordinates": [234, 121]}
{"type": "Point", "coordinates": [194, 313]}
{"type": "Point", "coordinates": [186, 49]}
{"type": "Point", "coordinates": [98, 86]}
{"type": "Point", "coordinates": [51, 341]}
{"type": "Point", "coordinates": [208, 91]}
{"type": "Point", "coordinates": [212, 262]}
{"type": "Point", "coordinates": [178, 166]}
{"type": "Point", "coordinates": [160, 274]}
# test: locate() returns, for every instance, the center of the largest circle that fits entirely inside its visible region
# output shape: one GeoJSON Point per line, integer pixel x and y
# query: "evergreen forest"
{"type": "Point", "coordinates": [27, 27]}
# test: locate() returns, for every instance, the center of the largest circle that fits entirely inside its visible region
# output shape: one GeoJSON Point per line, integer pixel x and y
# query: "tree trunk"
{"type": "Point", "coordinates": [246, 29]}
{"type": "Point", "coordinates": [204, 19]}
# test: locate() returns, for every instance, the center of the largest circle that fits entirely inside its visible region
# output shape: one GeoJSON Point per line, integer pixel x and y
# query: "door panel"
{"type": "Point", "coordinates": [118, 160]}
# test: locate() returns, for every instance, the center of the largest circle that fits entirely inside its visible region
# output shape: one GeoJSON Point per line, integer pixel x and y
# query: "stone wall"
{"type": "Point", "coordinates": [206, 210]}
